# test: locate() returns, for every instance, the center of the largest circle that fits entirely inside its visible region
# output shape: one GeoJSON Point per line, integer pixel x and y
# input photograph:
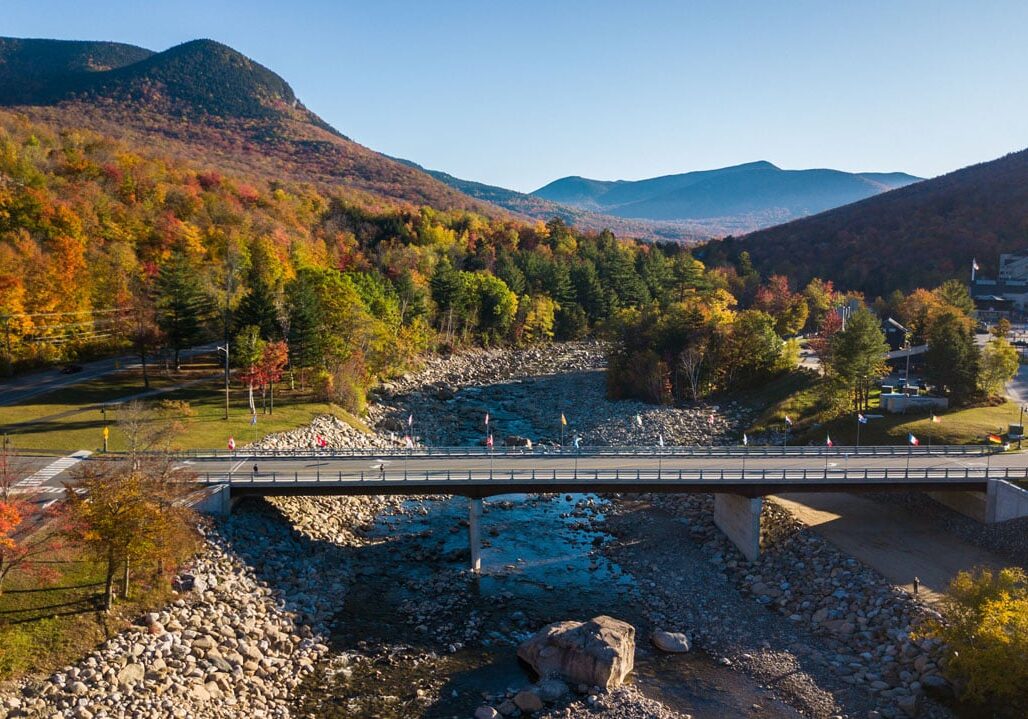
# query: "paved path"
{"type": "Point", "coordinates": [19, 389]}
{"type": "Point", "coordinates": [897, 543]}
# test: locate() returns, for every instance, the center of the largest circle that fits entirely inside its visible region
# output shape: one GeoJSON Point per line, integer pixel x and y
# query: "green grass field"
{"type": "Point", "coordinates": [51, 615]}
{"type": "Point", "coordinates": [69, 419]}
{"type": "Point", "coordinates": [796, 395]}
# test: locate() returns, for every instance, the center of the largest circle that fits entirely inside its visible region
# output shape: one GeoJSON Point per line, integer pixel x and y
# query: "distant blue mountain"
{"type": "Point", "coordinates": [758, 192]}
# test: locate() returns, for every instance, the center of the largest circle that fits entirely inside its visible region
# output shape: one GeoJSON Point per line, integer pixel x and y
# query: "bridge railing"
{"type": "Point", "coordinates": [441, 478]}
{"type": "Point", "coordinates": [633, 451]}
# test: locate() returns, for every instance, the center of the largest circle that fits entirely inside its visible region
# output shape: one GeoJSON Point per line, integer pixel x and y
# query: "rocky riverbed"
{"type": "Point", "coordinates": [362, 607]}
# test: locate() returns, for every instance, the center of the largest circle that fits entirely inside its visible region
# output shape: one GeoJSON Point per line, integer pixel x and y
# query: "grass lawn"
{"type": "Point", "coordinates": [48, 620]}
{"type": "Point", "coordinates": [68, 420]}
{"type": "Point", "coordinates": [957, 426]}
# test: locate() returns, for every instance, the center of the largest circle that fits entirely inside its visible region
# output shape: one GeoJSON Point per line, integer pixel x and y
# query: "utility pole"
{"type": "Point", "coordinates": [225, 350]}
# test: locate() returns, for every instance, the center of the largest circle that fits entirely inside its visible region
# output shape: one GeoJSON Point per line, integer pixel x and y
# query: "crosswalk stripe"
{"type": "Point", "coordinates": [52, 470]}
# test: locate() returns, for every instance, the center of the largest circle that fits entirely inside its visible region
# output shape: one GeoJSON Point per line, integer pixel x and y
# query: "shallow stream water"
{"type": "Point", "coordinates": [419, 636]}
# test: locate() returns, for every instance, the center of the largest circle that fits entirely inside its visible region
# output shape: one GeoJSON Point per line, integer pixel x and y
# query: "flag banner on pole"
{"type": "Point", "coordinates": [914, 441]}
{"type": "Point", "coordinates": [935, 419]}
{"type": "Point", "coordinates": [828, 441]}
{"type": "Point", "coordinates": [995, 439]}
{"type": "Point", "coordinates": [745, 440]}
{"type": "Point", "coordinates": [563, 419]}
{"type": "Point", "coordinates": [489, 441]}
{"type": "Point", "coordinates": [660, 440]}
{"type": "Point", "coordinates": [788, 422]}
{"type": "Point", "coordinates": [486, 419]}
{"type": "Point", "coordinates": [862, 419]}
{"type": "Point", "coordinates": [639, 420]}
{"type": "Point", "coordinates": [231, 443]}
{"type": "Point", "coordinates": [974, 264]}
{"type": "Point", "coordinates": [410, 420]}
{"type": "Point", "coordinates": [408, 442]}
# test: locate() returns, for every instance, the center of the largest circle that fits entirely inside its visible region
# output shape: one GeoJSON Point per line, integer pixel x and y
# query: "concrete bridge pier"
{"type": "Point", "coordinates": [475, 533]}
{"type": "Point", "coordinates": [739, 518]}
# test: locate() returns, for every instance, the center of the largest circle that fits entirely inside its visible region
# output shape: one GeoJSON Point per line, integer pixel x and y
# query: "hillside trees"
{"type": "Point", "coordinates": [855, 356]}
{"type": "Point", "coordinates": [952, 358]}
{"type": "Point", "coordinates": [127, 515]}
{"type": "Point", "coordinates": [183, 306]}
{"type": "Point", "coordinates": [998, 365]}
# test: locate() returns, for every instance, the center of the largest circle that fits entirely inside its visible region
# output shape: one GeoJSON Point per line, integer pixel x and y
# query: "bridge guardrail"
{"type": "Point", "coordinates": [635, 451]}
{"type": "Point", "coordinates": [912, 475]}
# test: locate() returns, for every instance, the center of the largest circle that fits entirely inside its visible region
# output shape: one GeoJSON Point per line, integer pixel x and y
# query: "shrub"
{"type": "Point", "coordinates": [987, 635]}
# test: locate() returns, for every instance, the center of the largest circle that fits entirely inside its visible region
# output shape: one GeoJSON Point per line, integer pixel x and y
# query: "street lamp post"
{"type": "Point", "coordinates": [225, 350]}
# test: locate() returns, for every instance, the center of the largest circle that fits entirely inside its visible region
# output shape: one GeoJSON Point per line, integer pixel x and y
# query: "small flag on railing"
{"type": "Point", "coordinates": [861, 418]}
{"type": "Point", "coordinates": [489, 441]}
{"type": "Point", "coordinates": [408, 442]}
{"type": "Point", "coordinates": [788, 422]}
{"type": "Point", "coordinates": [828, 441]}
{"type": "Point", "coordinates": [639, 420]}
{"type": "Point", "coordinates": [995, 439]}
{"type": "Point", "coordinates": [563, 419]}
{"type": "Point", "coordinates": [914, 441]}
{"type": "Point", "coordinates": [660, 440]}
{"type": "Point", "coordinates": [745, 440]}
{"type": "Point", "coordinates": [232, 443]}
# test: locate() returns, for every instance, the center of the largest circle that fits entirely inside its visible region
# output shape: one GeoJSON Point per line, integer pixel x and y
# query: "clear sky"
{"type": "Point", "coordinates": [520, 93]}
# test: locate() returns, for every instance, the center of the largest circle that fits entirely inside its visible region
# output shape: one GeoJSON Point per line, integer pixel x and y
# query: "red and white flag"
{"type": "Point", "coordinates": [232, 443]}
{"type": "Point", "coordinates": [489, 441]}
{"type": "Point", "coordinates": [788, 421]}
{"type": "Point", "coordinates": [409, 442]}
{"type": "Point", "coordinates": [828, 441]}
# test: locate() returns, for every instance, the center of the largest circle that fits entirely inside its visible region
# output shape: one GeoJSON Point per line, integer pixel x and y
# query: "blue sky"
{"type": "Point", "coordinates": [521, 93]}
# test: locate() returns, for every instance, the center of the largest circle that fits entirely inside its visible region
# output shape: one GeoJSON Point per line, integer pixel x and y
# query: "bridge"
{"type": "Point", "coordinates": [738, 477]}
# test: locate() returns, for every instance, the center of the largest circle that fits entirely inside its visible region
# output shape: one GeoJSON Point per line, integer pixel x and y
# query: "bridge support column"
{"type": "Point", "coordinates": [475, 533]}
{"type": "Point", "coordinates": [739, 518]}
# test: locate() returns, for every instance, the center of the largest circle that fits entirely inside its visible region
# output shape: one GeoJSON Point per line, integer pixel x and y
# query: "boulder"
{"type": "Point", "coordinates": [131, 674]}
{"type": "Point", "coordinates": [671, 642]}
{"type": "Point", "coordinates": [528, 701]}
{"type": "Point", "coordinates": [551, 690]}
{"type": "Point", "coordinates": [599, 652]}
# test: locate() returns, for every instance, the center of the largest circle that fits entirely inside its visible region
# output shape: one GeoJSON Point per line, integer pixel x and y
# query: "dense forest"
{"type": "Point", "coordinates": [104, 247]}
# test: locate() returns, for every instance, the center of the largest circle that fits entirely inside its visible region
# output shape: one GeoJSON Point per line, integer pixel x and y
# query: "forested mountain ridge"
{"type": "Point", "coordinates": [210, 105]}
{"type": "Point", "coordinates": [916, 236]}
{"type": "Point", "coordinates": [757, 192]}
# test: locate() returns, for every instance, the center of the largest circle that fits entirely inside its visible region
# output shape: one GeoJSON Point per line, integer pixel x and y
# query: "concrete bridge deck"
{"type": "Point", "coordinates": [479, 482]}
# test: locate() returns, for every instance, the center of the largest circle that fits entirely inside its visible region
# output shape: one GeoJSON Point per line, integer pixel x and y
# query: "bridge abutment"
{"type": "Point", "coordinates": [475, 533]}
{"type": "Point", "coordinates": [739, 518]}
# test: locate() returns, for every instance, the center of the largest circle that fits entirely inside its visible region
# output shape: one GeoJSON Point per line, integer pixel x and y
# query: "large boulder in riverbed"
{"type": "Point", "coordinates": [599, 652]}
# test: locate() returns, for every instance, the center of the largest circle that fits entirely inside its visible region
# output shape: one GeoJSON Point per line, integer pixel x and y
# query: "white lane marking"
{"type": "Point", "coordinates": [53, 469]}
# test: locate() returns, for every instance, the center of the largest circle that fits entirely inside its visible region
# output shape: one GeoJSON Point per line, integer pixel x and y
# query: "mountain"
{"type": "Point", "coordinates": [208, 104]}
{"type": "Point", "coordinates": [916, 236]}
{"type": "Point", "coordinates": [757, 193]}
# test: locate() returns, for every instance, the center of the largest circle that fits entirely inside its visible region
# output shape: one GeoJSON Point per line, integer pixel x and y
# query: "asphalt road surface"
{"type": "Point", "coordinates": [19, 389]}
